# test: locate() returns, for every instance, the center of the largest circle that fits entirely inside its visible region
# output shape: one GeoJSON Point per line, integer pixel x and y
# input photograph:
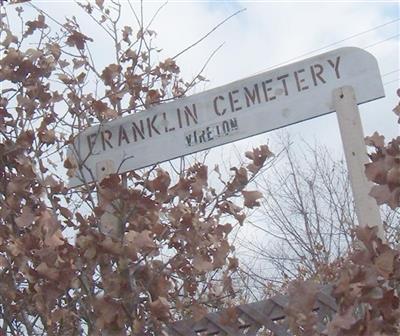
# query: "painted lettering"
{"type": "Point", "coordinates": [216, 109]}
{"type": "Point", "coordinates": [335, 66]}
{"type": "Point", "coordinates": [138, 130]}
{"type": "Point", "coordinates": [166, 122]}
{"type": "Point", "coordinates": [122, 136]}
{"type": "Point", "coordinates": [234, 124]}
{"type": "Point", "coordinates": [233, 101]}
{"type": "Point", "coordinates": [91, 139]}
{"type": "Point", "coordinates": [189, 139]}
{"type": "Point", "coordinates": [209, 134]}
{"type": "Point", "coordinates": [225, 127]}
{"type": "Point", "coordinates": [253, 96]}
{"type": "Point", "coordinates": [190, 114]}
{"type": "Point", "coordinates": [212, 132]}
{"type": "Point", "coordinates": [202, 136]}
{"type": "Point", "coordinates": [283, 79]}
{"type": "Point", "coordinates": [300, 81]}
{"type": "Point", "coordinates": [267, 89]}
{"type": "Point", "coordinates": [217, 129]}
{"type": "Point", "coordinates": [178, 112]}
{"type": "Point", "coordinates": [316, 71]}
{"type": "Point", "coordinates": [150, 126]}
{"type": "Point", "coordinates": [105, 139]}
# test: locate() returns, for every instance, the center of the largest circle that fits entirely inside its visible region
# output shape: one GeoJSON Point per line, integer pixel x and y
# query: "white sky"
{"type": "Point", "coordinates": [269, 33]}
{"type": "Point", "coordinates": [266, 34]}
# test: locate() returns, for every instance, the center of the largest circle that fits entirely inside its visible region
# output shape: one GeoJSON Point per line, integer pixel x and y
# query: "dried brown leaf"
{"type": "Point", "coordinates": [202, 264]}
{"type": "Point", "coordinates": [34, 25]}
{"type": "Point", "coordinates": [126, 33]}
{"type": "Point", "coordinates": [109, 73]}
{"type": "Point", "coordinates": [48, 272]}
{"type": "Point", "coordinates": [220, 254]}
{"type": "Point", "coordinates": [100, 3]}
{"type": "Point", "coordinates": [140, 240]}
{"type": "Point", "coordinates": [54, 240]}
{"type": "Point", "coordinates": [375, 140]}
{"type": "Point", "coordinates": [160, 308]}
{"type": "Point", "coordinates": [26, 218]}
{"type": "Point", "coordinates": [47, 136]}
{"type": "Point", "coordinates": [251, 198]}
{"type": "Point", "coordinates": [385, 263]}
{"type": "Point", "coordinates": [384, 195]}
{"type": "Point", "coordinates": [78, 40]}
{"type": "Point", "coordinates": [198, 311]}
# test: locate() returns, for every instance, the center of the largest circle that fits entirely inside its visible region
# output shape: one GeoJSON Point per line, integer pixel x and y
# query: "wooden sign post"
{"type": "Point", "coordinates": [110, 224]}
{"type": "Point", "coordinates": [355, 152]}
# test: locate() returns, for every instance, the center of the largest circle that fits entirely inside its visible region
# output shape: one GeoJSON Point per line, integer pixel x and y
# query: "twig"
{"type": "Point", "coordinates": [155, 15]}
{"type": "Point", "coordinates": [208, 34]}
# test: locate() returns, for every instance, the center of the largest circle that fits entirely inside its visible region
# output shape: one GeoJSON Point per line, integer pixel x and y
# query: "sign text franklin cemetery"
{"type": "Point", "coordinates": [250, 106]}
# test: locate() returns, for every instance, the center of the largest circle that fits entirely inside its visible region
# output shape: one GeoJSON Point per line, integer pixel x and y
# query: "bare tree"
{"type": "Point", "coordinates": [306, 221]}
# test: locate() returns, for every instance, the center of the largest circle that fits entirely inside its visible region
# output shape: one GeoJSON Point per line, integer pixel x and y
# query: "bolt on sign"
{"type": "Point", "coordinates": [250, 106]}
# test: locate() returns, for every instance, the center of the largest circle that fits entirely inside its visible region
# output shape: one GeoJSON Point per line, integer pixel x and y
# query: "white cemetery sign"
{"type": "Point", "coordinates": [266, 101]}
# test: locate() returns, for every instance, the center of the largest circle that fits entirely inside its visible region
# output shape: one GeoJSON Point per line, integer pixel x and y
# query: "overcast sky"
{"type": "Point", "coordinates": [270, 33]}
{"type": "Point", "coordinates": [267, 34]}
